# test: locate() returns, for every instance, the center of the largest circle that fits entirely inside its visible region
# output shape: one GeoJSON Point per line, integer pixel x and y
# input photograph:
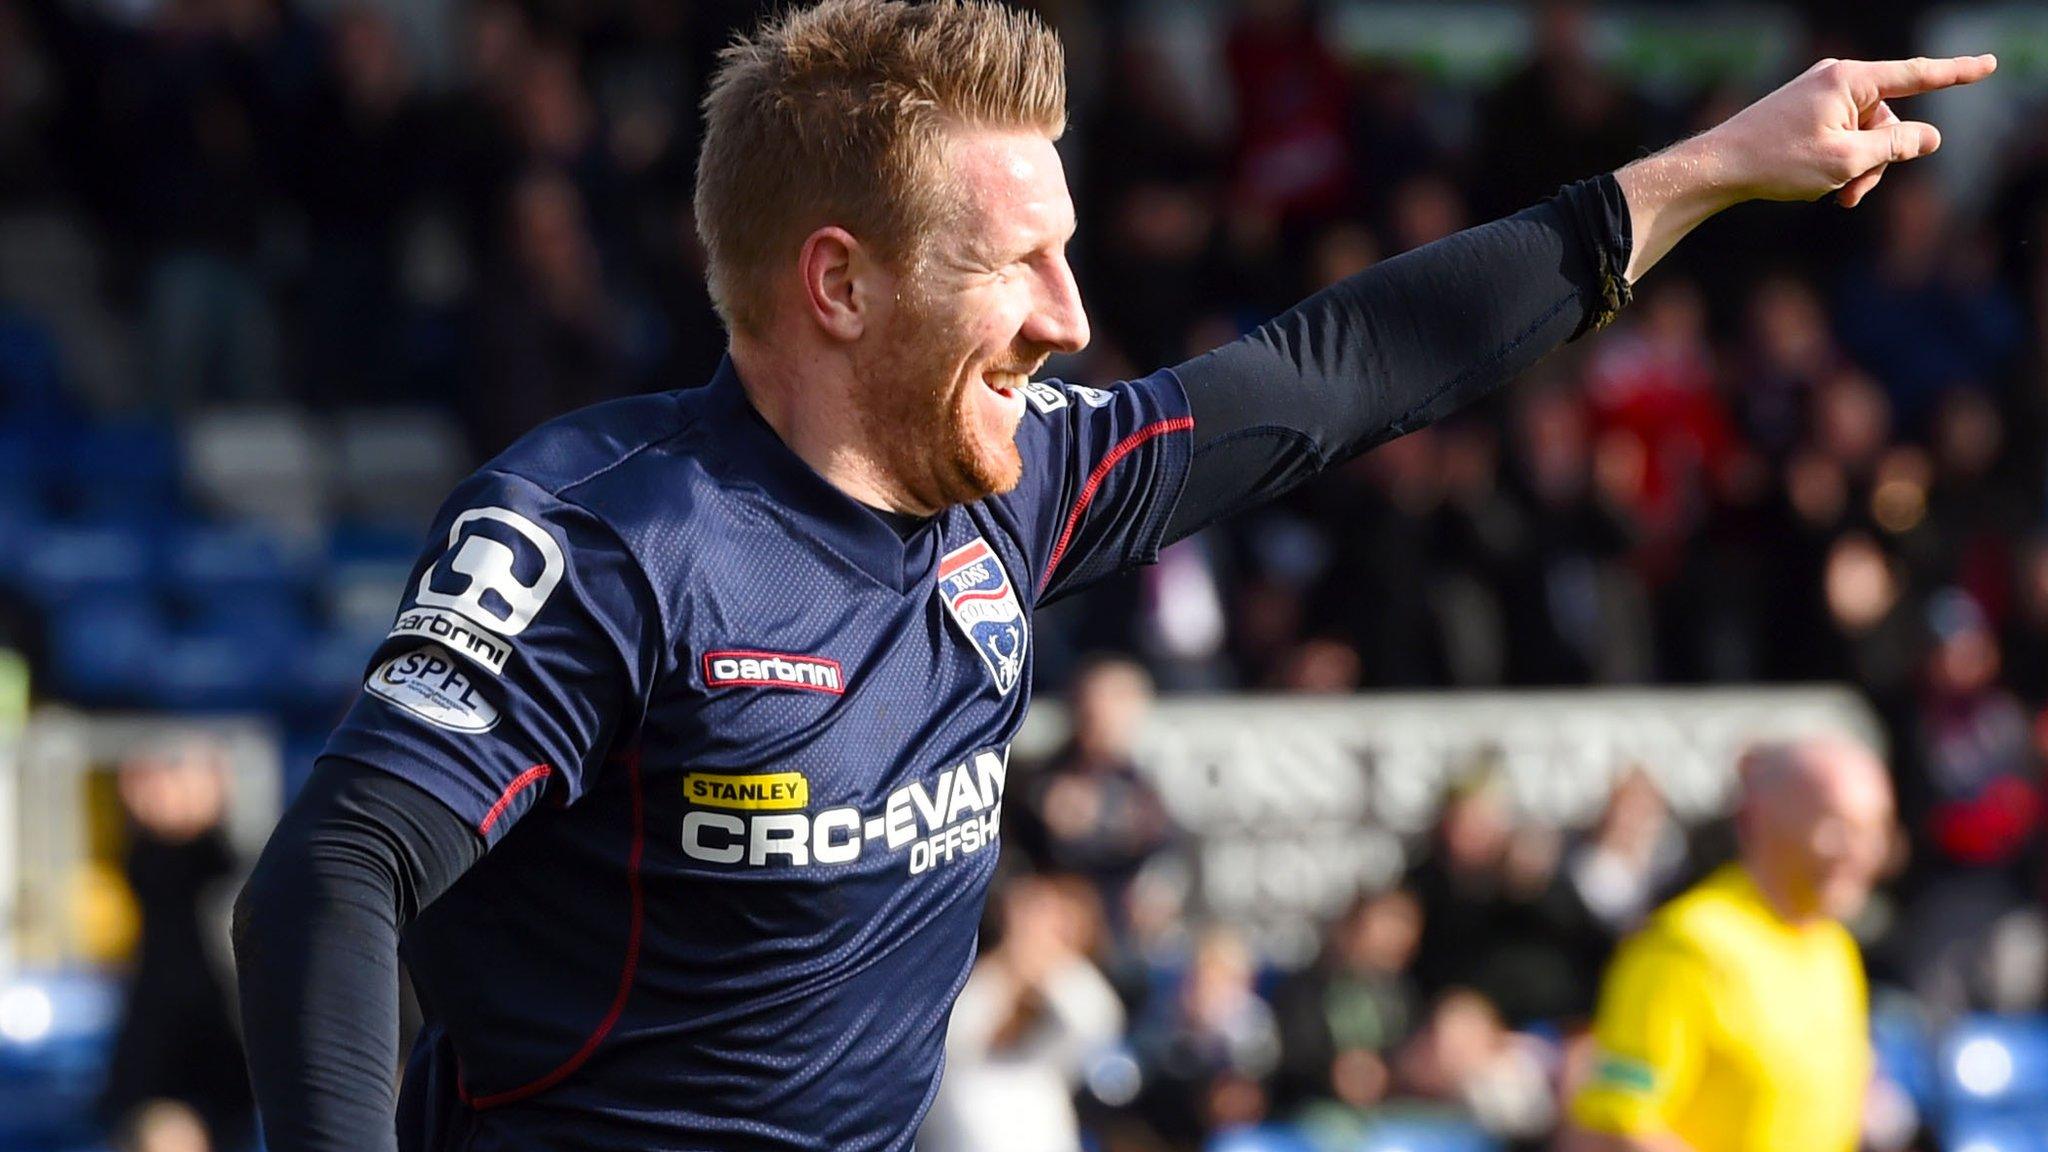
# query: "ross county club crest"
{"type": "Point", "coordinates": [979, 596]}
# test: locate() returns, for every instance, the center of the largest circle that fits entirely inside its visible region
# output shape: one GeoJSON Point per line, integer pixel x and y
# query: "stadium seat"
{"type": "Point", "coordinates": [264, 464]}
{"type": "Point", "coordinates": [217, 671]}
{"type": "Point", "coordinates": [1264, 1138]}
{"type": "Point", "coordinates": [327, 668]}
{"type": "Point", "coordinates": [1996, 1134]}
{"type": "Point", "coordinates": [56, 1035]}
{"type": "Point", "coordinates": [365, 573]}
{"type": "Point", "coordinates": [24, 469]}
{"type": "Point", "coordinates": [65, 562]}
{"type": "Point", "coordinates": [100, 649]}
{"type": "Point", "coordinates": [1995, 1065]}
{"type": "Point", "coordinates": [31, 368]}
{"type": "Point", "coordinates": [1905, 1050]}
{"type": "Point", "coordinates": [120, 469]}
{"type": "Point", "coordinates": [214, 568]}
{"type": "Point", "coordinates": [394, 466]}
{"type": "Point", "coordinates": [20, 524]}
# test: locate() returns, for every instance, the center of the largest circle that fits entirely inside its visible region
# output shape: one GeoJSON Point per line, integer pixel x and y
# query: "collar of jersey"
{"type": "Point", "coordinates": [853, 531]}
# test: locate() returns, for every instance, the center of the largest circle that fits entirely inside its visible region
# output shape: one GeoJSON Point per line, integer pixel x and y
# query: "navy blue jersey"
{"type": "Point", "coordinates": [740, 749]}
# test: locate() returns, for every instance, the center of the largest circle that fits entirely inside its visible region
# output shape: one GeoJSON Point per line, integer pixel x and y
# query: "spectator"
{"type": "Point", "coordinates": [1377, 600]}
{"type": "Point", "coordinates": [1341, 1019]}
{"type": "Point", "coordinates": [1089, 811]}
{"type": "Point", "coordinates": [1465, 1056]}
{"type": "Point", "coordinates": [2026, 641]}
{"type": "Point", "coordinates": [358, 174]}
{"type": "Point", "coordinates": [1293, 154]}
{"type": "Point", "coordinates": [1209, 1047]}
{"type": "Point", "coordinates": [1976, 797]}
{"type": "Point", "coordinates": [1424, 208]}
{"type": "Point", "coordinates": [177, 1041]}
{"type": "Point", "coordinates": [1033, 1013]}
{"type": "Point", "coordinates": [1790, 352]}
{"type": "Point", "coordinates": [1498, 916]}
{"type": "Point", "coordinates": [1631, 857]}
{"type": "Point", "coordinates": [1559, 116]}
{"type": "Point", "coordinates": [1579, 616]}
{"type": "Point", "coordinates": [1926, 314]}
{"type": "Point", "coordinates": [1972, 513]}
{"type": "Point", "coordinates": [546, 333]}
{"type": "Point", "coordinates": [1655, 397]}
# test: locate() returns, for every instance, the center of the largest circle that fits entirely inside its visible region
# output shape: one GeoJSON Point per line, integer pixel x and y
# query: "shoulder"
{"type": "Point", "coordinates": [1690, 929]}
{"type": "Point", "coordinates": [1060, 408]}
{"type": "Point", "coordinates": [1721, 920]}
{"type": "Point", "coordinates": [639, 466]}
{"type": "Point", "coordinates": [628, 484]}
{"type": "Point", "coordinates": [568, 455]}
{"type": "Point", "coordinates": [1665, 949]}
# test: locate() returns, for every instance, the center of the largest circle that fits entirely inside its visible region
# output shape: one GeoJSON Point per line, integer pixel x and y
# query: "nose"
{"type": "Point", "coordinates": [1058, 321]}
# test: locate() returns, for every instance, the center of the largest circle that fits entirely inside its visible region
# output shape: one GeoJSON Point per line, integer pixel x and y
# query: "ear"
{"type": "Point", "coordinates": [836, 269]}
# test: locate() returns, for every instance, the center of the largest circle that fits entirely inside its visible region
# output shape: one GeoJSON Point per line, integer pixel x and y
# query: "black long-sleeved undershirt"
{"type": "Point", "coordinates": [356, 857]}
{"type": "Point", "coordinates": [1380, 354]}
{"type": "Point", "coordinates": [1398, 346]}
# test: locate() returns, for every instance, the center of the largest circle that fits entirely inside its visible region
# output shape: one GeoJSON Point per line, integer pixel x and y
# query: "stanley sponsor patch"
{"type": "Point", "coordinates": [766, 792]}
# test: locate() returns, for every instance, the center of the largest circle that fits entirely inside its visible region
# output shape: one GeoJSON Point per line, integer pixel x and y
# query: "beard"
{"type": "Point", "coordinates": [921, 413]}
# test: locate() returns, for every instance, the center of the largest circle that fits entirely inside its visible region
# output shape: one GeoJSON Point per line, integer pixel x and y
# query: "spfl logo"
{"type": "Point", "coordinates": [979, 596]}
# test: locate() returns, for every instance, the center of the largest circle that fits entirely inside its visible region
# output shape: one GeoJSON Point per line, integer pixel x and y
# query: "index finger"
{"type": "Point", "coordinates": [1890, 79]}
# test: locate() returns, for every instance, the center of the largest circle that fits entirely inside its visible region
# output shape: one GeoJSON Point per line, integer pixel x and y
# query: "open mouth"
{"type": "Point", "coordinates": [1004, 384]}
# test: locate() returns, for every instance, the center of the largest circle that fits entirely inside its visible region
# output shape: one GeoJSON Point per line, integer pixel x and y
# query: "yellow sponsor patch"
{"type": "Point", "coordinates": [773, 791]}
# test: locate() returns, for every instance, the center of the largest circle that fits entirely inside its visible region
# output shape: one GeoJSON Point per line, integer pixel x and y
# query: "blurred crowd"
{"type": "Point", "coordinates": [1812, 450]}
{"type": "Point", "coordinates": [1457, 998]}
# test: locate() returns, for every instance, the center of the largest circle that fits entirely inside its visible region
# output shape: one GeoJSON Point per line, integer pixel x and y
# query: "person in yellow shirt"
{"type": "Point", "coordinates": [1737, 1019]}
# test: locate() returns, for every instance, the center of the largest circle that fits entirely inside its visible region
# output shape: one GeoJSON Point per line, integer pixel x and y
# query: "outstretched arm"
{"type": "Point", "coordinates": [1413, 339]}
{"type": "Point", "coordinates": [1829, 130]}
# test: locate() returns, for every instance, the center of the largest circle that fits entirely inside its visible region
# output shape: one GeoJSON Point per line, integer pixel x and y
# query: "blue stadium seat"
{"type": "Point", "coordinates": [365, 573]}
{"type": "Point", "coordinates": [101, 648]}
{"type": "Point", "coordinates": [67, 562]}
{"type": "Point", "coordinates": [31, 367]}
{"type": "Point", "coordinates": [222, 570]}
{"type": "Point", "coordinates": [125, 469]}
{"type": "Point", "coordinates": [19, 525]}
{"type": "Point", "coordinates": [356, 542]}
{"type": "Point", "coordinates": [56, 1036]}
{"type": "Point", "coordinates": [1264, 1138]}
{"type": "Point", "coordinates": [1995, 1065]}
{"type": "Point", "coordinates": [1905, 1051]}
{"type": "Point", "coordinates": [1996, 1134]}
{"type": "Point", "coordinates": [327, 669]}
{"type": "Point", "coordinates": [215, 671]}
{"type": "Point", "coordinates": [24, 468]}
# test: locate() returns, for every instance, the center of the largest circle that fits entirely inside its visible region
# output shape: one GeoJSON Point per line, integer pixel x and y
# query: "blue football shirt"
{"type": "Point", "coordinates": [740, 750]}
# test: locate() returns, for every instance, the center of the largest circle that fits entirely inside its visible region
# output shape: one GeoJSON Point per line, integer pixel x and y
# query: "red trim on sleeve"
{"type": "Point", "coordinates": [519, 784]}
{"type": "Point", "coordinates": [626, 973]}
{"type": "Point", "coordinates": [1123, 448]}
